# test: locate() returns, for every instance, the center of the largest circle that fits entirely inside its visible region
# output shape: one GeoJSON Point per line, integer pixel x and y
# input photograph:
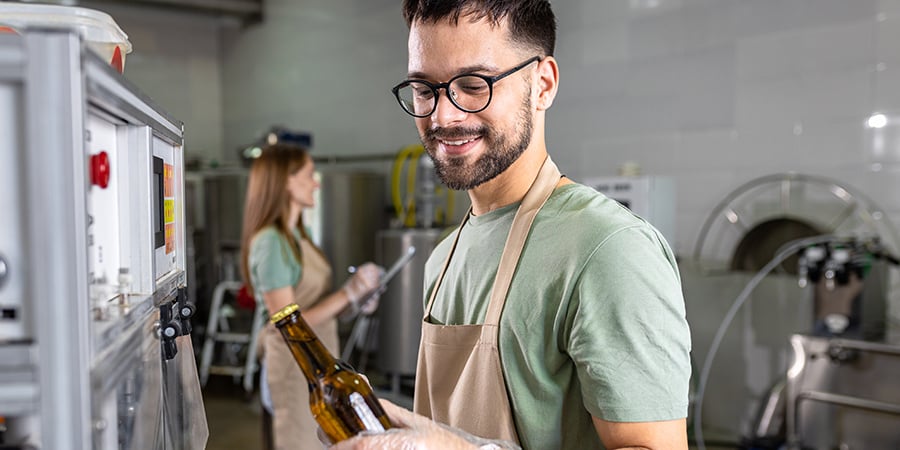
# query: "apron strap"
{"type": "Point", "coordinates": [440, 278]}
{"type": "Point", "coordinates": [540, 191]}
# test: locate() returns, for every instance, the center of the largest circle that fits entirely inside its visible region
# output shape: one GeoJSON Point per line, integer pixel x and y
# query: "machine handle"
{"type": "Point", "coordinates": [186, 310]}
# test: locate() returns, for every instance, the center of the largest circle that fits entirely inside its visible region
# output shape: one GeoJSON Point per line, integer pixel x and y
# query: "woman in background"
{"type": "Point", "coordinates": [281, 266]}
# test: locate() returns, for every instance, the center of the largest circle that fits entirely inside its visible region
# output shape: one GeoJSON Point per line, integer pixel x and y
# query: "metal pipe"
{"type": "Point", "coordinates": [337, 159]}
{"type": "Point", "coordinates": [848, 401]}
{"type": "Point", "coordinates": [834, 399]}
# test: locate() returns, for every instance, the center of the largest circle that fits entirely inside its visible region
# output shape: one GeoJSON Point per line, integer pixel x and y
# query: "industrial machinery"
{"type": "Point", "coordinates": [835, 394]}
{"type": "Point", "coordinates": [842, 393]}
{"type": "Point", "coordinates": [846, 275]}
{"type": "Point", "coordinates": [422, 202]}
{"type": "Point", "coordinates": [95, 347]}
{"type": "Point", "coordinates": [838, 245]}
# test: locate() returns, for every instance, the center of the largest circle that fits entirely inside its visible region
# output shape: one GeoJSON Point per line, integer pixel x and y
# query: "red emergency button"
{"type": "Point", "coordinates": [100, 169]}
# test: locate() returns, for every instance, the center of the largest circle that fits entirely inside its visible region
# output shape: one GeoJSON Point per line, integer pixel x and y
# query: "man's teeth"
{"type": "Point", "coordinates": [458, 142]}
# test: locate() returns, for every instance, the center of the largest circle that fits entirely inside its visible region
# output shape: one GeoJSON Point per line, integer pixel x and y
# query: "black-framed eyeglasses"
{"type": "Point", "coordinates": [470, 92]}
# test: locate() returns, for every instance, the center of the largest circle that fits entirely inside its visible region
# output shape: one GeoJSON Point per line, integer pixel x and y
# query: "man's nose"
{"type": "Point", "coordinates": [445, 112]}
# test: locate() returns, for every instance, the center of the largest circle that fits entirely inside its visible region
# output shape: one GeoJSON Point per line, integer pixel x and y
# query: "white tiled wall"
{"type": "Point", "coordinates": [325, 66]}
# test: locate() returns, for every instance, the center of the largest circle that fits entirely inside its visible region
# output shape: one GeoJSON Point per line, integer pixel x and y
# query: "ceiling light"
{"type": "Point", "coordinates": [877, 121]}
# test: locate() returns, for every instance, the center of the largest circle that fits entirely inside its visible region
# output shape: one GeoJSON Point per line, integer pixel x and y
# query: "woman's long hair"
{"type": "Point", "coordinates": [268, 202]}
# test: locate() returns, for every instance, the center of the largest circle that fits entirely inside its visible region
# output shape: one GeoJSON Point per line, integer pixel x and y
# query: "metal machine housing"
{"type": "Point", "coordinates": [95, 334]}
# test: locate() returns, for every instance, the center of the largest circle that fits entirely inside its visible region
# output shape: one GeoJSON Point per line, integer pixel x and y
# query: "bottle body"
{"type": "Point", "coordinates": [340, 399]}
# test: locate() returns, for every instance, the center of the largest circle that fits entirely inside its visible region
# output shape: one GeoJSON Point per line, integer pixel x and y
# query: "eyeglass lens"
{"type": "Point", "coordinates": [469, 93]}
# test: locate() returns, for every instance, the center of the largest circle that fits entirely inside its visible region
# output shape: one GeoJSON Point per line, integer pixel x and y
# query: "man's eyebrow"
{"type": "Point", "coordinates": [464, 70]}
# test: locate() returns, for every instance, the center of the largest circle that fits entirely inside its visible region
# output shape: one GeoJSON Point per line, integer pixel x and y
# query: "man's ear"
{"type": "Point", "coordinates": [547, 82]}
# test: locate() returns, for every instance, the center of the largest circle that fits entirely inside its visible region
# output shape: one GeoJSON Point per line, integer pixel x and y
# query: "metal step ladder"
{"type": "Point", "coordinates": [233, 344]}
{"type": "Point", "coordinates": [361, 341]}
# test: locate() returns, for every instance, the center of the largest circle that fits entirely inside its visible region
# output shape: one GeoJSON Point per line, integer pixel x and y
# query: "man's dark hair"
{"type": "Point", "coordinates": [531, 22]}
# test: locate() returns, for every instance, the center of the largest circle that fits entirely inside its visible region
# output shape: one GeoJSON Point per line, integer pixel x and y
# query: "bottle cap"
{"type": "Point", "coordinates": [284, 312]}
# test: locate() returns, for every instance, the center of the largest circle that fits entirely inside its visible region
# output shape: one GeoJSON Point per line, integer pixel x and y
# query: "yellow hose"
{"type": "Point", "coordinates": [414, 154]}
{"type": "Point", "coordinates": [405, 208]}
{"type": "Point", "coordinates": [404, 213]}
{"type": "Point", "coordinates": [395, 180]}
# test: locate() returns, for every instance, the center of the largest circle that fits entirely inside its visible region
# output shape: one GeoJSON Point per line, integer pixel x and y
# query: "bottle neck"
{"type": "Point", "coordinates": [314, 359]}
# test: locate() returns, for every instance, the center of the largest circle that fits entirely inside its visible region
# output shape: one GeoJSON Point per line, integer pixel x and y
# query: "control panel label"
{"type": "Point", "coordinates": [168, 180]}
{"type": "Point", "coordinates": [170, 238]}
{"type": "Point", "coordinates": [169, 210]}
{"type": "Point", "coordinates": [169, 206]}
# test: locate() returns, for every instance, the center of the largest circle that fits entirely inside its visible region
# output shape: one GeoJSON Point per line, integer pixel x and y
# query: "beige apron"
{"type": "Point", "coordinates": [459, 379]}
{"type": "Point", "coordinates": [293, 424]}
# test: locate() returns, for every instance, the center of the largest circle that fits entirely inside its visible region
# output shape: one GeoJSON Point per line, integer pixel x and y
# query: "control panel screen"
{"type": "Point", "coordinates": [159, 234]}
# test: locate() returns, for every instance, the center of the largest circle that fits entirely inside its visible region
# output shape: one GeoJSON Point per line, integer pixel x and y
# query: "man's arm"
{"type": "Point", "coordinates": [668, 434]}
{"type": "Point", "coordinates": [630, 343]}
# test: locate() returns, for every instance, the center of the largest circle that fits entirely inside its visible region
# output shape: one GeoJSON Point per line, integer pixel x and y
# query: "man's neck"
{"type": "Point", "coordinates": [511, 185]}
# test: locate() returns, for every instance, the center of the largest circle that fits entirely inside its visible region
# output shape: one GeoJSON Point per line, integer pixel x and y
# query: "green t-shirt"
{"type": "Point", "coordinates": [271, 262]}
{"type": "Point", "coordinates": [594, 322]}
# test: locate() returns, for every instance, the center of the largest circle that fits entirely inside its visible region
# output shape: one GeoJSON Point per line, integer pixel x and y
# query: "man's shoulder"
{"type": "Point", "coordinates": [576, 208]}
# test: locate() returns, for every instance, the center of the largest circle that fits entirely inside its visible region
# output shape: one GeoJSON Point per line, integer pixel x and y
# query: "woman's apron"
{"type": "Point", "coordinates": [293, 424]}
{"type": "Point", "coordinates": [459, 379]}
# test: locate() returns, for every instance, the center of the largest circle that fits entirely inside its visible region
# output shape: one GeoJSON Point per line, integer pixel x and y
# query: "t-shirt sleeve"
{"type": "Point", "coordinates": [628, 334]}
{"type": "Point", "coordinates": [272, 264]}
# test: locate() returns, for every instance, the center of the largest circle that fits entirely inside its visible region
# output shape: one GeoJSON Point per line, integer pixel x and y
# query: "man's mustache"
{"type": "Point", "coordinates": [451, 133]}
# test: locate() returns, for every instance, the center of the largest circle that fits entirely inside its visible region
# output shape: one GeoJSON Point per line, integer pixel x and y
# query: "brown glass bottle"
{"type": "Point", "coordinates": [340, 399]}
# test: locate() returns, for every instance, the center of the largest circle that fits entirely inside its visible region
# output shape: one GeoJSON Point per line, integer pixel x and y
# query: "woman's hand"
{"type": "Point", "coordinates": [362, 288]}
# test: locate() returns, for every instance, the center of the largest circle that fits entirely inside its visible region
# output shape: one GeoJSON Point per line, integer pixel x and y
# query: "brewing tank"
{"type": "Point", "coordinates": [349, 212]}
{"type": "Point", "coordinates": [401, 308]}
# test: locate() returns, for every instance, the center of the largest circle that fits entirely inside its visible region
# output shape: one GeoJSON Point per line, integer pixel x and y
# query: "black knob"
{"type": "Point", "coordinates": [171, 330]}
{"type": "Point", "coordinates": [186, 311]}
{"type": "Point", "coordinates": [168, 333]}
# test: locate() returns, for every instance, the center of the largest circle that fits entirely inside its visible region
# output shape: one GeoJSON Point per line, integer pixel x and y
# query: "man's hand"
{"type": "Point", "coordinates": [411, 432]}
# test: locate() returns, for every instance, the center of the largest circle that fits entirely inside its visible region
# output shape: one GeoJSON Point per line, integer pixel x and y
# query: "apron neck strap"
{"type": "Point", "coordinates": [541, 189]}
{"type": "Point", "coordinates": [440, 277]}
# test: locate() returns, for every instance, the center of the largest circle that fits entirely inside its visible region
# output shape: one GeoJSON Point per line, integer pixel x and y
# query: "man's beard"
{"type": "Point", "coordinates": [499, 155]}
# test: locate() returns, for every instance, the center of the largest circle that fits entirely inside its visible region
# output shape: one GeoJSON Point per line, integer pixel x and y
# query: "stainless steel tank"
{"type": "Point", "coordinates": [352, 206]}
{"type": "Point", "coordinates": [223, 209]}
{"type": "Point", "coordinates": [215, 220]}
{"type": "Point", "coordinates": [401, 308]}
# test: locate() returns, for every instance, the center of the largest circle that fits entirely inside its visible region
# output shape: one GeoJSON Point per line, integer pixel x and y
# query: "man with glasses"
{"type": "Point", "coordinates": [554, 316]}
